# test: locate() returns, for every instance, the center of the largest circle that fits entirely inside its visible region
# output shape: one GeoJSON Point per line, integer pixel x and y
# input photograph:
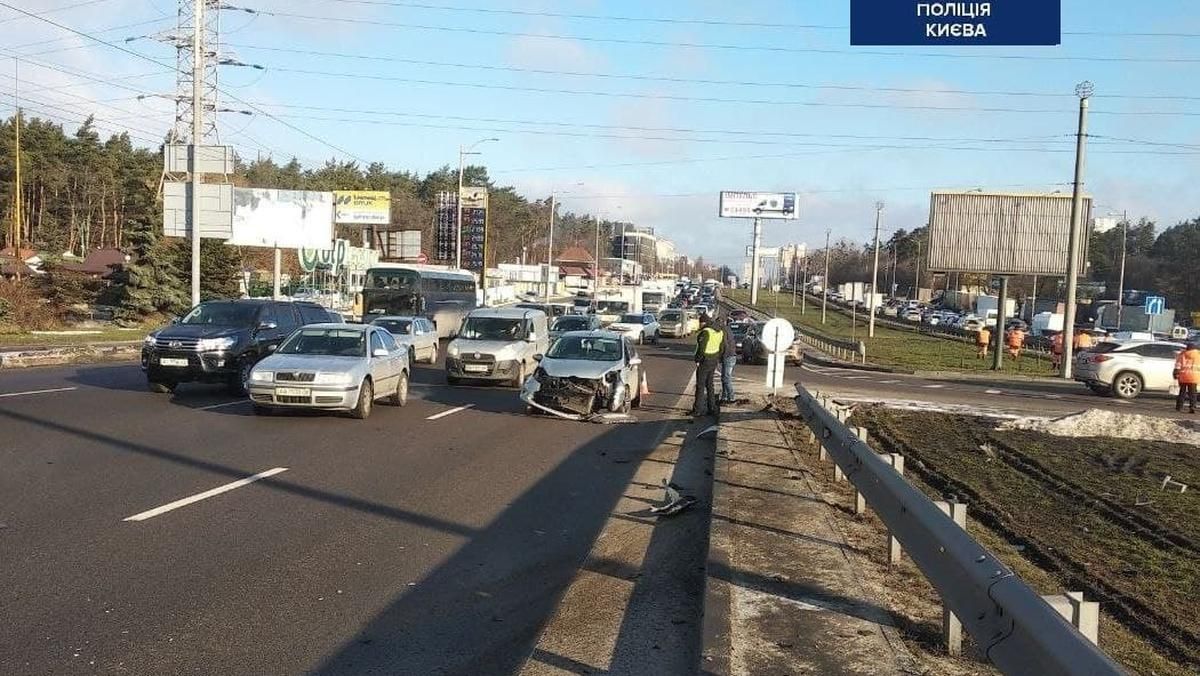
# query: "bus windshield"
{"type": "Point", "coordinates": [615, 307]}
{"type": "Point", "coordinates": [392, 280]}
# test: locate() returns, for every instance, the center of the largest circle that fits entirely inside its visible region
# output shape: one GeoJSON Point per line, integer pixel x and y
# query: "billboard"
{"type": "Point", "coordinates": [780, 205]}
{"type": "Point", "coordinates": [956, 22]}
{"type": "Point", "coordinates": [1003, 233]}
{"type": "Point", "coordinates": [362, 207]}
{"type": "Point", "coordinates": [474, 227]}
{"type": "Point", "coordinates": [402, 244]}
{"type": "Point", "coordinates": [216, 209]}
{"type": "Point", "coordinates": [337, 257]}
{"type": "Point", "coordinates": [445, 226]}
{"type": "Point", "coordinates": [284, 219]}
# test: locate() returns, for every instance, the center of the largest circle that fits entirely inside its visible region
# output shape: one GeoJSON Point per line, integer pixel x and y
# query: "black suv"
{"type": "Point", "coordinates": [220, 340]}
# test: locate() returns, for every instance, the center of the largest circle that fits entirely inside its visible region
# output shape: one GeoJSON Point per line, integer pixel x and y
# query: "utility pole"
{"type": "Point", "coordinates": [804, 284]}
{"type": "Point", "coordinates": [874, 273]}
{"type": "Point", "coordinates": [825, 281]}
{"type": "Point", "coordinates": [754, 261]}
{"type": "Point", "coordinates": [596, 266]}
{"type": "Point", "coordinates": [795, 273]}
{"type": "Point", "coordinates": [1084, 92]}
{"type": "Point", "coordinates": [550, 251]}
{"type": "Point", "coordinates": [198, 55]}
{"type": "Point", "coordinates": [1121, 282]}
{"type": "Point", "coordinates": [917, 277]}
{"type": "Point", "coordinates": [17, 224]}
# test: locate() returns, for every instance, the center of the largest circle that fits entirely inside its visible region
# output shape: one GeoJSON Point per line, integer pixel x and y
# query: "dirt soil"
{"type": "Point", "coordinates": [1074, 514]}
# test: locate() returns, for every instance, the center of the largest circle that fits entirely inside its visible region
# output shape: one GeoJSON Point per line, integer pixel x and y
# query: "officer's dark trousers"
{"type": "Point", "coordinates": [1186, 390]}
{"type": "Point", "coordinates": [706, 394]}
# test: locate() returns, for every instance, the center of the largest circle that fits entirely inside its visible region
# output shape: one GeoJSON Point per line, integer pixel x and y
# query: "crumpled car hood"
{"type": "Point", "coordinates": [578, 368]}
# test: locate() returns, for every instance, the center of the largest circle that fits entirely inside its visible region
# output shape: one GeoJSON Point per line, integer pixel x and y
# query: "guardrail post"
{"type": "Point", "coordinates": [1084, 615]}
{"type": "Point", "coordinates": [894, 551]}
{"type": "Point", "coordinates": [842, 415]}
{"type": "Point", "coordinates": [951, 626]}
{"type": "Point", "coordinates": [860, 501]}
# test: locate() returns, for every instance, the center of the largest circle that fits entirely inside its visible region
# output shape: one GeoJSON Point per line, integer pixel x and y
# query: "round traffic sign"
{"type": "Point", "coordinates": [422, 258]}
{"type": "Point", "coordinates": [778, 335]}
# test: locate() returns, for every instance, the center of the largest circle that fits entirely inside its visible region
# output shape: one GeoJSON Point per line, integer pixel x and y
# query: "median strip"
{"type": "Point", "coordinates": [452, 411]}
{"type": "Point", "coordinates": [204, 496]}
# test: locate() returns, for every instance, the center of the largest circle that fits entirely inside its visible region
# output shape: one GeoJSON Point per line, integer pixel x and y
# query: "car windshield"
{"type": "Point", "coordinates": [631, 319]}
{"type": "Point", "coordinates": [570, 324]}
{"type": "Point", "coordinates": [492, 328]}
{"type": "Point", "coordinates": [671, 316]}
{"type": "Point", "coordinates": [740, 329]}
{"type": "Point", "coordinates": [222, 314]}
{"type": "Point", "coordinates": [612, 306]}
{"type": "Point", "coordinates": [587, 348]}
{"type": "Point", "coordinates": [327, 342]}
{"type": "Point", "coordinates": [397, 327]}
{"type": "Point", "coordinates": [395, 280]}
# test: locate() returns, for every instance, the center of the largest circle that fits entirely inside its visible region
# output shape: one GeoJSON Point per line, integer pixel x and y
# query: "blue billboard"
{"type": "Point", "coordinates": [929, 23]}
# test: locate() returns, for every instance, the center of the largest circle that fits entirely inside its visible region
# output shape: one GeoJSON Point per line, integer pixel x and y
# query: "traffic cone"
{"type": "Point", "coordinates": [645, 391]}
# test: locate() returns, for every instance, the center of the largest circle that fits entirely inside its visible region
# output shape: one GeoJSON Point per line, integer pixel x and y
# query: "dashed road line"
{"type": "Point", "coordinates": [935, 386]}
{"type": "Point", "coordinates": [49, 391]}
{"type": "Point", "coordinates": [993, 391]}
{"type": "Point", "coordinates": [228, 403]}
{"type": "Point", "coordinates": [452, 411]}
{"type": "Point", "coordinates": [151, 513]}
{"type": "Point", "coordinates": [889, 382]}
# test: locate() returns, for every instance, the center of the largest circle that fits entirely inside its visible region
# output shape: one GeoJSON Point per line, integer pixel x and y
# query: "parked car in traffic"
{"type": "Point", "coordinates": [585, 373]}
{"type": "Point", "coordinates": [567, 323]}
{"type": "Point", "coordinates": [417, 334]}
{"type": "Point", "coordinates": [219, 341]}
{"type": "Point", "coordinates": [640, 328]}
{"type": "Point", "coordinates": [332, 367]}
{"type": "Point", "coordinates": [674, 323]}
{"type": "Point", "coordinates": [1125, 370]}
{"type": "Point", "coordinates": [754, 351]}
{"type": "Point", "coordinates": [497, 344]}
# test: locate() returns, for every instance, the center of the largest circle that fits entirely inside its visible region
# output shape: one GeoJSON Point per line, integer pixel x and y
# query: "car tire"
{"type": "Point", "coordinates": [519, 379]}
{"type": "Point", "coordinates": [366, 399]}
{"type": "Point", "coordinates": [400, 396]}
{"type": "Point", "coordinates": [161, 387]}
{"type": "Point", "coordinates": [453, 380]}
{"type": "Point", "coordinates": [1127, 385]}
{"type": "Point", "coordinates": [433, 354]}
{"type": "Point", "coordinates": [641, 337]}
{"type": "Point", "coordinates": [239, 385]}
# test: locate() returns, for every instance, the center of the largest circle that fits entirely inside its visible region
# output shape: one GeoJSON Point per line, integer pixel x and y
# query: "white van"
{"type": "Point", "coordinates": [497, 344]}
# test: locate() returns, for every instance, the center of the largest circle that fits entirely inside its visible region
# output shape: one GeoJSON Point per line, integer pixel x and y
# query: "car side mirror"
{"type": "Point", "coordinates": [635, 361]}
{"type": "Point", "coordinates": [272, 347]}
{"type": "Point", "coordinates": [379, 352]}
{"type": "Point", "coordinates": [538, 357]}
{"type": "Point", "coordinates": [268, 325]}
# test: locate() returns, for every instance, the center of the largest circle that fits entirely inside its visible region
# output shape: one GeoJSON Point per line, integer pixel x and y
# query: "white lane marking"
{"type": "Point", "coordinates": [452, 411]}
{"type": "Point", "coordinates": [22, 394]}
{"type": "Point", "coordinates": [933, 387]}
{"type": "Point", "coordinates": [228, 403]}
{"type": "Point", "coordinates": [1053, 396]}
{"type": "Point", "coordinates": [889, 382]}
{"type": "Point", "coordinates": [205, 495]}
{"type": "Point", "coordinates": [993, 391]}
{"type": "Point", "coordinates": [1121, 401]}
{"type": "Point", "coordinates": [856, 377]}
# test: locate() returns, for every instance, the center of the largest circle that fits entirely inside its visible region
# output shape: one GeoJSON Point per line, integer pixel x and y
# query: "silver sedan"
{"type": "Point", "coordinates": [418, 334]}
{"type": "Point", "coordinates": [334, 367]}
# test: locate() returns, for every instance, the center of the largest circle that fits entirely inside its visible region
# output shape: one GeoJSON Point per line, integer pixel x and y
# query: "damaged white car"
{"type": "Point", "coordinates": [586, 374]}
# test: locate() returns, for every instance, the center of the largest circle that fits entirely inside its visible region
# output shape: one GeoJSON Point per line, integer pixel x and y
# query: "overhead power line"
{"type": "Point", "coordinates": [721, 46]}
{"type": "Point", "coordinates": [52, 10]}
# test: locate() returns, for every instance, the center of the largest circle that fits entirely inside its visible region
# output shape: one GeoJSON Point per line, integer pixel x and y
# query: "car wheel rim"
{"type": "Point", "coordinates": [402, 389]}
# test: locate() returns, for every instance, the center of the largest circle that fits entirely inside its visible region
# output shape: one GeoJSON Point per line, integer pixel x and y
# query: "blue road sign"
{"type": "Point", "coordinates": [1155, 305]}
{"type": "Point", "coordinates": [957, 22]}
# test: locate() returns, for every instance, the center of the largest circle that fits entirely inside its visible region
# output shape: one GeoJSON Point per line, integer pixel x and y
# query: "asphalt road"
{"type": "Point", "coordinates": [397, 545]}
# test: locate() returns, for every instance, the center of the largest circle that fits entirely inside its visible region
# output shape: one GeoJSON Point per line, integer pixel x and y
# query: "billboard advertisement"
{"type": "Point", "coordinates": [778, 205]}
{"type": "Point", "coordinates": [474, 228]}
{"type": "Point", "coordinates": [362, 207]}
{"type": "Point", "coordinates": [1003, 233]}
{"type": "Point", "coordinates": [283, 219]}
{"type": "Point", "coordinates": [445, 226]}
{"type": "Point", "coordinates": [337, 257]}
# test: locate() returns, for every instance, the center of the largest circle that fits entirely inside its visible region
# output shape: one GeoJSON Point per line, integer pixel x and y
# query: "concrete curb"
{"type": "Point", "coordinates": [989, 376]}
{"type": "Point", "coordinates": [716, 630]}
{"type": "Point", "coordinates": [24, 357]}
{"type": "Point", "coordinates": [811, 356]}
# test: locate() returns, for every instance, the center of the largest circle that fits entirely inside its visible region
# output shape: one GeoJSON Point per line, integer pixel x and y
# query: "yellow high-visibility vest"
{"type": "Point", "coordinates": [712, 342]}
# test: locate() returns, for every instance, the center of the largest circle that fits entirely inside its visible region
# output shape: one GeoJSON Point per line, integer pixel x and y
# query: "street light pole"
{"type": "Point", "coordinates": [825, 281]}
{"type": "Point", "coordinates": [550, 251]}
{"type": "Point", "coordinates": [198, 56]}
{"type": "Point", "coordinates": [874, 273]}
{"type": "Point", "coordinates": [1084, 92]}
{"type": "Point", "coordinates": [1121, 281]}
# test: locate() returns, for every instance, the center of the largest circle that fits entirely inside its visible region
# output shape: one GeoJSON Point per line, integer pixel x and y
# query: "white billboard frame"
{"type": "Point", "coordinates": [282, 219]}
{"type": "Point", "coordinates": [752, 204]}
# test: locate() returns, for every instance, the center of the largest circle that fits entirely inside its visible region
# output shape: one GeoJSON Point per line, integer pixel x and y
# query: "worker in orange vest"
{"type": "Point", "coordinates": [1083, 340]}
{"type": "Point", "coordinates": [1056, 349]}
{"type": "Point", "coordinates": [982, 338]}
{"type": "Point", "coordinates": [1016, 340]}
{"type": "Point", "coordinates": [1187, 372]}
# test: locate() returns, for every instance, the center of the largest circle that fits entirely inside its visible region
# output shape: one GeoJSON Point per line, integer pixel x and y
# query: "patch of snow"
{"type": "Point", "coordinates": [1097, 423]}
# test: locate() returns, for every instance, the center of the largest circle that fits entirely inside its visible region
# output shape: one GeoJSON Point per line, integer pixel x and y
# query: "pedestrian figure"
{"type": "Point", "coordinates": [1083, 340]}
{"type": "Point", "coordinates": [982, 338]}
{"type": "Point", "coordinates": [1016, 340]}
{"type": "Point", "coordinates": [728, 361]}
{"type": "Point", "coordinates": [1187, 372]}
{"type": "Point", "coordinates": [708, 358]}
{"type": "Point", "coordinates": [1056, 350]}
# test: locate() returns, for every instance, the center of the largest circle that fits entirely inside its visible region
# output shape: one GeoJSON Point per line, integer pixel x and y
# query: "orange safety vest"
{"type": "Point", "coordinates": [983, 337]}
{"type": "Point", "coordinates": [1083, 341]}
{"type": "Point", "coordinates": [1016, 338]}
{"type": "Point", "coordinates": [1187, 367]}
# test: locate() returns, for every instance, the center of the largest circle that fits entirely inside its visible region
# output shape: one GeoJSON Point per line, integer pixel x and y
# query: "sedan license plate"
{"type": "Point", "coordinates": [293, 391]}
{"type": "Point", "coordinates": [475, 368]}
{"type": "Point", "coordinates": [172, 361]}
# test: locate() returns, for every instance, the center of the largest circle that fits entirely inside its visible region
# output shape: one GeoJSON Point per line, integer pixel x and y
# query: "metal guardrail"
{"type": "Point", "coordinates": [1017, 631]}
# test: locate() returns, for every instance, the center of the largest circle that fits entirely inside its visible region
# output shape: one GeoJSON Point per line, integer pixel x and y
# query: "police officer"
{"type": "Point", "coordinates": [709, 344]}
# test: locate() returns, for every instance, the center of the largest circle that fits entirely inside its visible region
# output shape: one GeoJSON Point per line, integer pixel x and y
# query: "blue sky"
{"type": "Point", "coordinates": [808, 131]}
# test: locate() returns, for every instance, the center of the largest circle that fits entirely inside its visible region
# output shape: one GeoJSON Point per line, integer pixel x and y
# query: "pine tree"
{"type": "Point", "coordinates": [220, 267]}
{"type": "Point", "coordinates": [150, 283]}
